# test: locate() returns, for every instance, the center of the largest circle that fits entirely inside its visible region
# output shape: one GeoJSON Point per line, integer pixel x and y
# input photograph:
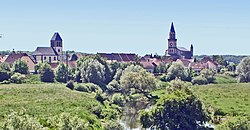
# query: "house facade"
{"type": "Point", "coordinates": [52, 54]}
{"type": "Point", "coordinates": [20, 56]}
{"type": "Point", "coordinates": [174, 51]}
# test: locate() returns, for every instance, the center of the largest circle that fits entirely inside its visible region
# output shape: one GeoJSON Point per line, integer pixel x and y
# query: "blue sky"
{"type": "Point", "coordinates": [136, 26]}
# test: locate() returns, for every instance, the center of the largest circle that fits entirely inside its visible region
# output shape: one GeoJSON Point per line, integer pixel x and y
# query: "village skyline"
{"type": "Point", "coordinates": [127, 27]}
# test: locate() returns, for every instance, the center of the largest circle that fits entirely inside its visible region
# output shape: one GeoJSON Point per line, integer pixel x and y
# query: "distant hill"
{"type": "Point", "coordinates": [230, 58]}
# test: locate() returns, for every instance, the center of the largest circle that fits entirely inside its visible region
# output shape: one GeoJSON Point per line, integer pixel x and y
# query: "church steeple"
{"type": "Point", "coordinates": [172, 32]}
{"type": "Point", "coordinates": [172, 28]}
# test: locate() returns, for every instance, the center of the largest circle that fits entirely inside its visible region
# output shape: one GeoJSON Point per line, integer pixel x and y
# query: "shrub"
{"type": "Point", "coordinates": [112, 125]}
{"type": "Point", "coordinates": [235, 123]}
{"type": "Point", "coordinates": [118, 99]}
{"type": "Point", "coordinates": [4, 75]}
{"type": "Point", "coordinates": [32, 79]}
{"type": "Point", "coordinates": [88, 87]}
{"type": "Point", "coordinates": [200, 80]}
{"type": "Point", "coordinates": [114, 86]}
{"type": "Point", "coordinates": [5, 82]}
{"type": "Point", "coordinates": [20, 121]}
{"type": "Point", "coordinates": [17, 78]}
{"type": "Point", "coordinates": [67, 122]}
{"type": "Point", "coordinates": [70, 84]}
{"type": "Point", "coordinates": [229, 73]}
{"type": "Point", "coordinates": [97, 110]}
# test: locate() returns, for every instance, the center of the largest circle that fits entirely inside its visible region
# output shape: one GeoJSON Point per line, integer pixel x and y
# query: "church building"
{"type": "Point", "coordinates": [52, 54]}
{"type": "Point", "coordinates": [174, 51]}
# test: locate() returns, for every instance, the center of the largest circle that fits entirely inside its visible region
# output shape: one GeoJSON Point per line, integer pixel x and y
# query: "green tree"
{"type": "Point", "coordinates": [4, 72]}
{"type": "Point", "coordinates": [162, 68]}
{"type": "Point", "coordinates": [177, 70]}
{"type": "Point", "coordinates": [47, 74]}
{"type": "Point", "coordinates": [243, 69]}
{"type": "Point", "coordinates": [20, 67]}
{"type": "Point", "coordinates": [138, 82]}
{"type": "Point", "coordinates": [38, 67]}
{"type": "Point", "coordinates": [175, 111]}
{"type": "Point", "coordinates": [61, 73]}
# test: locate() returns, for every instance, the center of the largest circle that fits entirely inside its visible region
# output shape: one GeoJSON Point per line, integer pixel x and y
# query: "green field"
{"type": "Point", "coordinates": [232, 99]}
{"type": "Point", "coordinates": [45, 100]}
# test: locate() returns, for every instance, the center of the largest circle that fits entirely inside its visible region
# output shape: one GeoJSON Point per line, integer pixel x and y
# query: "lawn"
{"type": "Point", "coordinates": [45, 100]}
{"type": "Point", "coordinates": [231, 99]}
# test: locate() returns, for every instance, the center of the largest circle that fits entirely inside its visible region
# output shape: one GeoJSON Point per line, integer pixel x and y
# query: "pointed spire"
{"type": "Point", "coordinates": [172, 27]}
{"type": "Point", "coordinates": [56, 37]}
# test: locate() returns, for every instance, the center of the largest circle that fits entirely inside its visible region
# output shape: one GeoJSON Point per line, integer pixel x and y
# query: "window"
{"type": "Point", "coordinates": [54, 58]}
{"type": "Point", "coordinates": [44, 58]}
{"type": "Point", "coordinates": [58, 50]}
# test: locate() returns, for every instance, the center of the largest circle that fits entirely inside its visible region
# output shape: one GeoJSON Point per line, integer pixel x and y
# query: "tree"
{"type": "Point", "coordinates": [138, 82]}
{"type": "Point", "coordinates": [47, 74]}
{"type": "Point", "coordinates": [61, 73]}
{"type": "Point", "coordinates": [4, 72]}
{"type": "Point", "coordinates": [92, 72]}
{"type": "Point", "coordinates": [175, 111]}
{"type": "Point", "coordinates": [162, 68]}
{"type": "Point", "coordinates": [243, 69]}
{"type": "Point", "coordinates": [38, 67]}
{"type": "Point", "coordinates": [20, 67]}
{"type": "Point", "coordinates": [177, 70]}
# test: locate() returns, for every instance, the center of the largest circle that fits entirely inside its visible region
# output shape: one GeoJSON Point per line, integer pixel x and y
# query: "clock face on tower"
{"type": "Point", "coordinates": [171, 44]}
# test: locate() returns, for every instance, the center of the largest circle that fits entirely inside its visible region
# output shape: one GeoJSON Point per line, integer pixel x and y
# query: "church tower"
{"type": "Point", "coordinates": [172, 41]}
{"type": "Point", "coordinates": [56, 44]}
{"type": "Point", "coordinates": [192, 50]}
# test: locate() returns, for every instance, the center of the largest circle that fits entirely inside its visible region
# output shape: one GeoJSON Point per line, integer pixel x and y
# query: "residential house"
{"type": "Point", "coordinates": [22, 56]}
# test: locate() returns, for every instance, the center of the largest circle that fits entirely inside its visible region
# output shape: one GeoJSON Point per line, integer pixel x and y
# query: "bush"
{"type": "Point", "coordinates": [5, 82]}
{"type": "Point", "coordinates": [200, 80]}
{"type": "Point", "coordinates": [118, 99]}
{"type": "Point", "coordinates": [235, 123]}
{"type": "Point", "coordinates": [231, 74]}
{"type": "Point", "coordinates": [4, 75]}
{"type": "Point", "coordinates": [208, 74]}
{"type": "Point", "coordinates": [112, 125]}
{"type": "Point", "coordinates": [88, 87]}
{"type": "Point", "coordinates": [70, 84]}
{"type": "Point", "coordinates": [17, 78]}
{"type": "Point", "coordinates": [32, 79]}
{"type": "Point", "coordinates": [47, 74]}
{"type": "Point", "coordinates": [21, 121]}
{"type": "Point", "coordinates": [114, 86]}
{"type": "Point", "coordinates": [67, 122]}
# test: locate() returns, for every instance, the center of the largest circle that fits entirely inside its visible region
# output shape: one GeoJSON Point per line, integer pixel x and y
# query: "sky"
{"type": "Point", "coordinates": [129, 26]}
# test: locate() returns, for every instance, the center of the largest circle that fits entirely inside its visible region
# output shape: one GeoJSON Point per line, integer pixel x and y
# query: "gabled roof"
{"type": "Point", "coordinates": [56, 37]}
{"type": "Point", "coordinates": [48, 51]}
{"type": "Point", "coordinates": [147, 65]}
{"type": "Point", "coordinates": [172, 27]}
{"type": "Point", "coordinates": [183, 49]}
{"type": "Point", "coordinates": [120, 57]}
{"type": "Point", "coordinates": [14, 57]}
